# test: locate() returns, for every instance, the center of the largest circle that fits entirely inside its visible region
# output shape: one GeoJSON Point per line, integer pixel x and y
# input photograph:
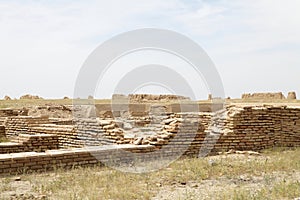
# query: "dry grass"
{"type": "Point", "coordinates": [275, 175]}
{"type": "Point", "coordinates": [4, 139]}
{"type": "Point", "coordinates": [281, 190]}
{"type": "Point", "coordinates": [263, 101]}
{"type": "Point", "coordinates": [19, 103]}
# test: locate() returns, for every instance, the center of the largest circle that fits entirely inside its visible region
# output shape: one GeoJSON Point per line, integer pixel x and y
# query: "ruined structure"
{"type": "Point", "coordinates": [29, 96]}
{"type": "Point", "coordinates": [141, 98]}
{"type": "Point", "coordinates": [140, 128]}
{"type": "Point", "coordinates": [291, 96]}
{"type": "Point", "coordinates": [269, 96]}
{"type": "Point", "coordinates": [7, 98]}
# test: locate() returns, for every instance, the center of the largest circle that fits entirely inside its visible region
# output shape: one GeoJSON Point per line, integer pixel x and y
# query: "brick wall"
{"type": "Point", "coordinates": [32, 161]}
{"type": "Point", "coordinates": [22, 124]}
{"type": "Point", "coordinates": [276, 95]}
{"type": "Point", "coordinates": [239, 128]}
{"type": "Point", "coordinates": [2, 131]}
{"type": "Point", "coordinates": [27, 143]}
{"type": "Point", "coordinates": [236, 127]}
{"type": "Point", "coordinates": [85, 132]}
{"type": "Point", "coordinates": [265, 126]}
{"type": "Point", "coordinates": [8, 112]}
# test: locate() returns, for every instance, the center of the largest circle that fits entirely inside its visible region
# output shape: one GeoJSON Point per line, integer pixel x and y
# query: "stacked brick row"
{"type": "Point", "coordinates": [2, 131]}
{"type": "Point", "coordinates": [85, 132]}
{"type": "Point", "coordinates": [2, 127]}
{"type": "Point", "coordinates": [183, 132]}
{"type": "Point", "coordinates": [144, 130]}
{"type": "Point", "coordinates": [12, 112]}
{"type": "Point", "coordinates": [239, 128]}
{"type": "Point", "coordinates": [94, 131]}
{"type": "Point", "coordinates": [193, 134]}
{"type": "Point", "coordinates": [42, 125]}
{"type": "Point", "coordinates": [22, 124]}
{"type": "Point", "coordinates": [261, 127]}
{"type": "Point", "coordinates": [3, 120]}
{"type": "Point", "coordinates": [251, 128]}
{"type": "Point", "coordinates": [27, 143]}
{"type": "Point", "coordinates": [11, 148]}
{"type": "Point", "coordinates": [67, 136]}
{"type": "Point", "coordinates": [32, 161]}
{"type": "Point", "coordinates": [61, 121]}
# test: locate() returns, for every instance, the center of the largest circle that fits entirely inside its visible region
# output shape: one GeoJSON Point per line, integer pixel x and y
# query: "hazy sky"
{"type": "Point", "coordinates": [255, 44]}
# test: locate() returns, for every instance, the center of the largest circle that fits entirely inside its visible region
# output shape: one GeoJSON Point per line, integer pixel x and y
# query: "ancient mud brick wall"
{"type": "Point", "coordinates": [239, 128]}
{"type": "Point", "coordinates": [67, 136]}
{"type": "Point", "coordinates": [184, 132]}
{"type": "Point", "coordinates": [61, 121]}
{"type": "Point", "coordinates": [236, 127]}
{"type": "Point", "coordinates": [13, 112]}
{"type": "Point", "coordinates": [6, 148]}
{"type": "Point", "coordinates": [203, 107]}
{"type": "Point", "coordinates": [274, 96]}
{"type": "Point", "coordinates": [3, 121]}
{"type": "Point", "coordinates": [42, 125]}
{"type": "Point", "coordinates": [70, 136]}
{"type": "Point", "coordinates": [2, 126]}
{"type": "Point", "coordinates": [2, 131]}
{"type": "Point", "coordinates": [89, 131]}
{"type": "Point", "coordinates": [94, 131]}
{"type": "Point", "coordinates": [151, 97]}
{"type": "Point", "coordinates": [142, 110]}
{"type": "Point", "coordinates": [116, 110]}
{"type": "Point", "coordinates": [22, 124]}
{"type": "Point", "coordinates": [251, 128]}
{"type": "Point", "coordinates": [27, 143]}
{"type": "Point", "coordinates": [256, 128]}
{"type": "Point", "coordinates": [31, 161]}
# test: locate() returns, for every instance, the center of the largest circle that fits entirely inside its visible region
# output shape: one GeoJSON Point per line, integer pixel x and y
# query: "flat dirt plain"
{"type": "Point", "coordinates": [270, 174]}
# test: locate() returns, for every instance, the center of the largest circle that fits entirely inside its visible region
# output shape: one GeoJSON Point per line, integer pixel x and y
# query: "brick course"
{"type": "Point", "coordinates": [195, 134]}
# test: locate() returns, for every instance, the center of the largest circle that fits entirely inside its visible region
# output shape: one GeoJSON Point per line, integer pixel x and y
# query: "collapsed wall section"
{"type": "Point", "coordinates": [234, 128]}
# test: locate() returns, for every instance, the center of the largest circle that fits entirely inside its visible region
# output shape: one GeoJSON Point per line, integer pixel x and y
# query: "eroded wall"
{"type": "Point", "coordinates": [193, 134]}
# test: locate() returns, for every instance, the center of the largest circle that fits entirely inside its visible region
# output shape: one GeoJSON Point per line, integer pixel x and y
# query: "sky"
{"type": "Point", "coordinates": [255, 45]}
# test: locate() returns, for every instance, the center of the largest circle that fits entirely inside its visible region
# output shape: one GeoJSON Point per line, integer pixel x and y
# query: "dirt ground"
{"type": "Point", "coordinates": [220, 185]}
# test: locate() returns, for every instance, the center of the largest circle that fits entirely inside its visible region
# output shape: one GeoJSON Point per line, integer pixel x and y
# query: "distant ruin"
{"type": "Point", "coordinates": [269, 96]}
{"type": "Point", "coordinates": [273, 96]}
{"type": "Point", "coordinates": [140, 98]}
{"type": "Point", "coordinates": [292, 96]}
{"type": "Point", "coordinates": [28, 96]}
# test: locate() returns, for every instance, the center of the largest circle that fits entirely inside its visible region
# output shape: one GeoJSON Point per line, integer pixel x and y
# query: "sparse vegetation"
{"type": "Point", "coordinates": [274, 175]}
{"type": "Point", "coordinates": [19, 103]}
{"type": "Point", "coordinates": [3, 139]}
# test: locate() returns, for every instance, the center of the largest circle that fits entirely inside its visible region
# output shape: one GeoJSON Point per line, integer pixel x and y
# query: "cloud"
{"type": "Point", "coordinates": [44, 43]}
{"type": "Point", "coordinates": [52, 40]}
{"type": "Point", "coordinates": [255, 45]}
